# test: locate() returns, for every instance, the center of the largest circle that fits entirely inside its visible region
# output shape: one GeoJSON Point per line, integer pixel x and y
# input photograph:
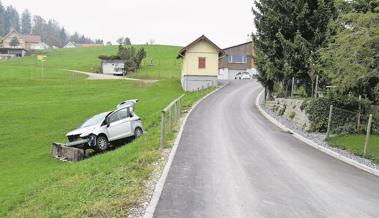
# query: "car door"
{"type": "Point", "coordinates": [119, 124]}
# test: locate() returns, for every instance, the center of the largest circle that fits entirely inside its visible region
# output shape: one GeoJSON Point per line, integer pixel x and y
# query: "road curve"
{"type": "Point", "coordinates": [232, 162]}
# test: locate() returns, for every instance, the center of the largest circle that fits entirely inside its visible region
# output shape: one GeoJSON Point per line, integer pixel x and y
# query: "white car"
{"type": "Point", "coordinates": [98, 131]}
{"type": "Point", "coordinates": [246, 76]}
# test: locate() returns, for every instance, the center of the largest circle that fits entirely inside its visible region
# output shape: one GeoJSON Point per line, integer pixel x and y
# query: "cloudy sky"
{"type": "Point", "coordinates": [174, 22]}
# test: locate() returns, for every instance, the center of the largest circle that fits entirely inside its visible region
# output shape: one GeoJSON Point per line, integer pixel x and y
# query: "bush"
{"type": "Point", "coordinates": [282, 110]}
{"type": "Point", "coordinates": [292, 115]}
{"type": "Point", "coordinates": [300, 92]}
{"type": "Point", "coordinates": [304, 105]}
{"type": "Point", "coordinates": [318, 109]}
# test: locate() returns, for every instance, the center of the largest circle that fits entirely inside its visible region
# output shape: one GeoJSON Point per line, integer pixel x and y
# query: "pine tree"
{"type": "Point", "coordinates": [289, 34]}
{"type": "Point", "coordinates": [26, 22]}
{"type": "Point", "coordinates": [2, 20]}
{"type": "Point", "coordinates": [14, 42]}
{"type": "Point", "coordinates": [12, 19]}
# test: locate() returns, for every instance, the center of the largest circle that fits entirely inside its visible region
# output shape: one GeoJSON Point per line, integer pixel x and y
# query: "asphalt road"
{"type": "Point", "coordinates": [232, 162]}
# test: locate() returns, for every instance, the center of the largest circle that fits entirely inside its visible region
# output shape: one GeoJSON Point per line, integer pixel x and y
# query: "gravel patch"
{"type": "Point", "coordinates": [139, 211]}
{"type": "Point", "coordinates": [317, 137]}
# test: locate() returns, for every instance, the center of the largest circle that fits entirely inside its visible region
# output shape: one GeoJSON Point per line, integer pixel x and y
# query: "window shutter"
{"type": "Point", "coordinates": [202, 63]}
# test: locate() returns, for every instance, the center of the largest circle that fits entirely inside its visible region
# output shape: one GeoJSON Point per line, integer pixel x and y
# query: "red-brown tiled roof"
{"type": "Point", "coordinates": [201, 38]}
{"type": "Point", "coordinates": [32, 38]}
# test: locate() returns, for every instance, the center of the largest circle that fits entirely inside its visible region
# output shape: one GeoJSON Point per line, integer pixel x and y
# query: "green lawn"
{"type": "Point", "coordinates": [36, 112]}
{"type": "Point", "coordinates": [355, 144]}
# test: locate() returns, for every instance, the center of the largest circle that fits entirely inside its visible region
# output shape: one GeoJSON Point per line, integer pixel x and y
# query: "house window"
{"type": "Point", "coordinates": [237, 59]}
{"type": "Point", "coordinates": [202, 63]}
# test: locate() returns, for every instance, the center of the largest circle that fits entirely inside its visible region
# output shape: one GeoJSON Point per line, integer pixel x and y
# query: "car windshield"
{"type": "Point", "coordinates": [95, 120]}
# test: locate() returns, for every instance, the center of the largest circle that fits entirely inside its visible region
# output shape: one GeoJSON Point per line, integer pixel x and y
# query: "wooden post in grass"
{"type": "Point", "coordinates": [163, 131]}
{"type": "Point", "coordinates": [316, 87]}
{"type": "Point", "coordinates": [292, 86]}
{"type": "Point", "coordinates": [329, 121]}
{"type": "Point", "coordinates": [367, 135]}
{"type": "Point", "coordinates": [359, 114]}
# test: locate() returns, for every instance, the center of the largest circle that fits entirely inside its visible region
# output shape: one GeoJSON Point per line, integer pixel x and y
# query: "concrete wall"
{"type": "Point", "coordinates": [193, 83]}
{"type": "Point", "coordinates": [290, 105]}
{"type": "Point", "coordinates": [190, 64]}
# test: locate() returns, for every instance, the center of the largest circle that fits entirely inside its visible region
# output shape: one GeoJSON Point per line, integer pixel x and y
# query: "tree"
{"type": "Point", "coordinates": [127, 41]}
{"type": "Point", "coordinates": [289, 34]}
{"type": "Point", "coordinates": [63, 37]}
{"type": "Point", "coordinates": [14, 42]}
{"type": "Point", "coordinates": [351, 59]}
{"type": "Point", "coordinates": [12, 19]}
{"type": "Point", "coordinates": [39, 26]}
{"type": "Point", "coordinates": [120, 40]}
{"type": "Point", "coordinates": [26, 22]}
{"type": "Point", "coordinates": [2, 20]}
{"type": "Point", "coordinates": [141, 54]}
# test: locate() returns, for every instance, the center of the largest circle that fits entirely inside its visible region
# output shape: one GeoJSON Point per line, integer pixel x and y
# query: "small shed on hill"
{"type": "Point", "coordinates": [113, 67]}
{"type": "Point", "coordinates": [199, 64]}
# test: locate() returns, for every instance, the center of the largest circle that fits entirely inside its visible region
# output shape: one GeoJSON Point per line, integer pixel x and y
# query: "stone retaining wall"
{"type": "Point", "coordinates": [290, 109]}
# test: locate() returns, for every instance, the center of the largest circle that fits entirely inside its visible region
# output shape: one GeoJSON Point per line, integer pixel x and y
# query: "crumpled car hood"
{"type": "Point", "coordinates": [80, 131]}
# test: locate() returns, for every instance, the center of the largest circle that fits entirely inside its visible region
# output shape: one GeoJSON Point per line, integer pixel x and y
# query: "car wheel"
{"type": "Point", "coordinates": [101, 143]}
{"type": "Point", "coordinates": [138, 132]}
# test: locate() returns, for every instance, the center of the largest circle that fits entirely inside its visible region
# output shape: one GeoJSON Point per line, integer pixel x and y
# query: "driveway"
{"type": "Point", "coordinates": [100, 76]}
{"type": "Point", "coordinates": [232, 162]}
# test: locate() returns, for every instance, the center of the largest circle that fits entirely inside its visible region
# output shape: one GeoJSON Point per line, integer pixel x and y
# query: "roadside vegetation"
{"type": "Point", "coordinates": [353, 143]}
{"type": "Point", "coordinates": [325, 52]}
{"type": "Point", "coordinates": [39, 109]}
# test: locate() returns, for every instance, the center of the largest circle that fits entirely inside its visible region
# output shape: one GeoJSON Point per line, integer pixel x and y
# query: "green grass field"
{"type": "Point", "coordinates": [36, 112]}
{"type": "Point", "coordinates": [355, 144]}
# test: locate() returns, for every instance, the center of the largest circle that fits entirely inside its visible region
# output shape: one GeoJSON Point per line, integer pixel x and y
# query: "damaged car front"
{"type": "Point", "coordinates": [87, 132]}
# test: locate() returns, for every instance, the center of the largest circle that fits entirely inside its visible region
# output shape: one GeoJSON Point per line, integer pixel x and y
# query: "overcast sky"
{"type": "Point", "coordinates": [173, 22]}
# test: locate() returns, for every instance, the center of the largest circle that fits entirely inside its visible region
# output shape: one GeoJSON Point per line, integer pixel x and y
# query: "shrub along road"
{"type": "Point", "coordinates": [231, 162]}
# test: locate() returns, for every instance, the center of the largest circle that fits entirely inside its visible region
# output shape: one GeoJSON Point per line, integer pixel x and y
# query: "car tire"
{"type": "Point", "coordinates": [138, 132]}
{"type": "Point", "coordinates": [101, 143]}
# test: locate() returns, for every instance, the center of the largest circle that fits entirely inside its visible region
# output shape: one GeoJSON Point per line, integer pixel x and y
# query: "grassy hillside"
{"type": "Point", "coordinates": [160, 63]}
{"type": "Point", "coordinates": [36, 112]}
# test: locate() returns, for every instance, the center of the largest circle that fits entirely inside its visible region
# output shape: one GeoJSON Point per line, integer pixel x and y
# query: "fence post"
{"type": "Point", "coordinates": [170, 120]}
{"type": "Point", "coordinates": [316, 88]}
{"type": "Point", "coordinates": [359, 115]}
{"type": "Point", "coordinates": [329, 121]}
{"type": "Point", "coordinates": [177, 110]}
{"type": "Point", "coordinates": [293, 86]}
{"type": "Point", "coordinates": [367, 135]}
{"type": "Point", "coordinates": [163, 131]}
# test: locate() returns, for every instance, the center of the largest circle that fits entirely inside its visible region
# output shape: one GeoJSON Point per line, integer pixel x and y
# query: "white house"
{"type": "Point", "coordinates": [39, 46]}
{"type": "Point", "coordinates": [113, 67]}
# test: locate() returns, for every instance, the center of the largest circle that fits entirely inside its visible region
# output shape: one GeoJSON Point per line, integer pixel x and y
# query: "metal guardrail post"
{"type": "Point", "coordinates": [367, 135]}
{"type": "Point", "coordinates": [170, 120]}
{"type": "Point", "coordinates": [174, 111]}
{"type": "Point", "coordinates": [163, 131]}
{"type": "Point", "coordinates": [329, 121]}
